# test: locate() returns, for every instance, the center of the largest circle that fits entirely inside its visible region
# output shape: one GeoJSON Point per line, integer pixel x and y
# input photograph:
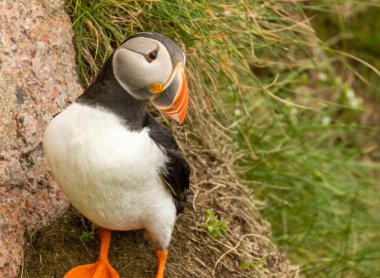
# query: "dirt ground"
{"type": "Point", "coordinates": [57, 248]}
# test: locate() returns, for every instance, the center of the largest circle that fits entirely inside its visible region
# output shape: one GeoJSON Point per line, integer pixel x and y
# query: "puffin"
{"type": "Point", "coordinates": [117, 165]}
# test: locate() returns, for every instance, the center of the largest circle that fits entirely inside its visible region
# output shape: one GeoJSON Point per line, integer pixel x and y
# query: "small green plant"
{"type": "Point", "coordinates": [252, 264]}
{"type": "Point", "coordinates": [87, 236]}
{"type": "Point", "coordinates": [214, 226]}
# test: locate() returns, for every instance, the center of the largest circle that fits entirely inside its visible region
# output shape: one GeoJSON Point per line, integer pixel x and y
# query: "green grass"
{"type": "Point", "coordinates": [309, 168]}
{"type": "Point", "coordinates": [293, 102]}
{"type": "Point", "coordinates": [319, 196]}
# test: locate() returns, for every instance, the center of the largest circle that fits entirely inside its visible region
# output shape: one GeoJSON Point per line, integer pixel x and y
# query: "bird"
{"type": "Point", "coordinates": [118, 166]}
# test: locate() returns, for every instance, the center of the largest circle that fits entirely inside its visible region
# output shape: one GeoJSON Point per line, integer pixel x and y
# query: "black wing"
{"type": "Point", "coordinates": [176, 170]}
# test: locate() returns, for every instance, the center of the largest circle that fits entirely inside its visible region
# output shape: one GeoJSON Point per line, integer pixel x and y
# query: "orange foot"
{"type": "Point", "coordinates": [96, 270]}
{"type": "Point", "coordinates": [102, 268]}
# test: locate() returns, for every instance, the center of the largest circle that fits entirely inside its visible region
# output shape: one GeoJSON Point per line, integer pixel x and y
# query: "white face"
{"type": "Point", "coordinates": [139, 63]}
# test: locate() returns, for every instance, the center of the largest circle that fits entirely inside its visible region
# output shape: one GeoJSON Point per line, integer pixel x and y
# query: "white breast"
{"type": "Point", "coordinates": [109, 173]}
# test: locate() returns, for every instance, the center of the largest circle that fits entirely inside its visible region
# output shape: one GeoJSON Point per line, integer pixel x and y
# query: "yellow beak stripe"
{"type": "Point", "coordinates": [156, 88]}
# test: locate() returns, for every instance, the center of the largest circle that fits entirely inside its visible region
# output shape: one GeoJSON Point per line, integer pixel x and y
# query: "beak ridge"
{"type": "Point", "coordinates": [175, 98]}
{"type": "Point", "coordinates": [179, 106]}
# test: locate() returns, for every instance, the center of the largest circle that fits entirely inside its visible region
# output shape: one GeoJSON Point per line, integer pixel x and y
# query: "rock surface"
{"type": "Point", "coordinates": [37, 79]}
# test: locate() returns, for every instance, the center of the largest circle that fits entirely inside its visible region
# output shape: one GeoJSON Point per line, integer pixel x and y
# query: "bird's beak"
{"type": "Point", "coordinates": [173, 100]}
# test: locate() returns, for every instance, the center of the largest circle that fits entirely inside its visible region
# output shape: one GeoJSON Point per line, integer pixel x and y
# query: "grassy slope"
{"type": "Point", "coordinates": [305, 164]}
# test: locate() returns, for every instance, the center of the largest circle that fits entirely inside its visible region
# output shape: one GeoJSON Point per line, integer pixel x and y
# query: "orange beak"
{"type": "Point", "coordinates": [174, 99]}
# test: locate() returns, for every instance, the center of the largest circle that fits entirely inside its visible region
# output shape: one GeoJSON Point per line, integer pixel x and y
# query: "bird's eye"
{"type": "Point", "coordinates": [151, 56]}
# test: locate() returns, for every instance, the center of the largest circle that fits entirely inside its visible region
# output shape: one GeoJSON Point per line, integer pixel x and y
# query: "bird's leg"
{"type": "Point", "coordinates": [161, 255]}
{"type": "Point", "coordinates": [105, 241]}
{"type": "Point", "coordinates": [102, 268]}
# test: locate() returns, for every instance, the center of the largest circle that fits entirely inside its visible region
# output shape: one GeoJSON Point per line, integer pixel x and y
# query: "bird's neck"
{"type": "Point", "coordinates": [106, 92]}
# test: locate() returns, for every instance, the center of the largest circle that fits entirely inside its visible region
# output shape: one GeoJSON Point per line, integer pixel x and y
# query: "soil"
{"type": "Point", "coordinates": [57, 248]}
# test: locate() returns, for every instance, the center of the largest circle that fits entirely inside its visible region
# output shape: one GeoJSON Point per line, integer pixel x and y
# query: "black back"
{"type": "Point", "coordinates": [176, 171]}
